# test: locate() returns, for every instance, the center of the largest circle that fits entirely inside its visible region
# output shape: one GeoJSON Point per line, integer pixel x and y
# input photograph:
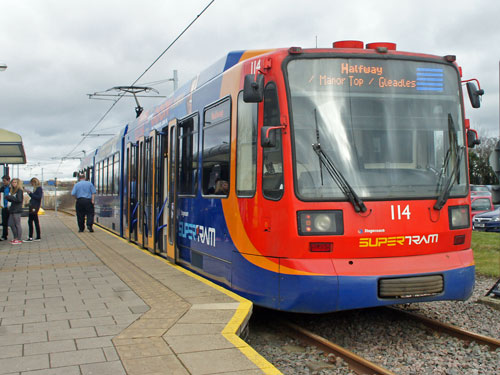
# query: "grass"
{"type": "Point", "coordinates": [486, 248]}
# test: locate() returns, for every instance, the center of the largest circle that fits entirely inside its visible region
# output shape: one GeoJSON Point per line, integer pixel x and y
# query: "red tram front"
{"type": "Point", "coordinates": [364, 176]}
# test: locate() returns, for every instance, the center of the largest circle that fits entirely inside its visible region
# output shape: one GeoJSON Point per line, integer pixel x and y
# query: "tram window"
{"type": "Point", "coordinates": [217, 149]}
{"type": "Point", "coordinates": [149, 173]}
{"type": "Point", "coordinates": [188, 155]}
{"type": "Point", "coordinates": [116, 174]}
{"type": "Point", "coordinates": [101, 174]}
{"type": "Point", "coordinates": [246, 148]}
{"type": "Point", "coordinates": [96, 181]}
{"type": "Point", "coordinates": [109, 168]}
{"type": "Point", "coordinates": [272, 166]}
{"type": "Point", "coordinates": [100, 178]}
{"type": "Point", "coordinates": [104, 176]}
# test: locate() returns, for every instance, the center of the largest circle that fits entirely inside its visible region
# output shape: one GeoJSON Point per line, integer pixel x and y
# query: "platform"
{"type": "Point", "coordinates": [91, 303]}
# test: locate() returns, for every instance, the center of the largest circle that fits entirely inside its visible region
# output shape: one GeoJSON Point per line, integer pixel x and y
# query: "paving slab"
{"type": "Point", "coordinates": [92, 303]}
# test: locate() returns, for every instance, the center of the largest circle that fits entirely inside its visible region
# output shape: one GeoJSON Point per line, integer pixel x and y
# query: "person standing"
{"type": "Point", "coordinates": [34, 207]}
{"type": "Point", "coordinates": [5, 210]}
{"type": "Point", "coordinates": [16, 207]}
{"type": "Point", "coordinates": [84, 192]}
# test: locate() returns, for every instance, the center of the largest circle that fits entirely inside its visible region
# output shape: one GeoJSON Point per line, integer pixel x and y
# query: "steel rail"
{"type": "Point", "coordinates": [358, 364]}
{"type": "Point", "coordinates": [450, 329]}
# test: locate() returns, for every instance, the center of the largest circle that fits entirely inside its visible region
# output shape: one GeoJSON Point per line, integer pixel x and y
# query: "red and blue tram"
{"type": "Point", "coordinates": [307, 180]}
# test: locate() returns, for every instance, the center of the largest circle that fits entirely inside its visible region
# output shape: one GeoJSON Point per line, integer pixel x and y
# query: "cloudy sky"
{"type": "Point", "coordinates": [57, 51]}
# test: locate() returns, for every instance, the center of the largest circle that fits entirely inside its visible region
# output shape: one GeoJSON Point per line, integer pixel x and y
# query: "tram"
{"type": "Point", "coordinates": [306, 180]}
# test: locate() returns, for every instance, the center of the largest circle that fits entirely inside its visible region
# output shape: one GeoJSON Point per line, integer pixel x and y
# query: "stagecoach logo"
{"type": "Point", "coordinates": [198, 233]}
{"type": "Point", "coordinates": [360, 231]}
{"type": "Point", "coordinates": [398, 240]}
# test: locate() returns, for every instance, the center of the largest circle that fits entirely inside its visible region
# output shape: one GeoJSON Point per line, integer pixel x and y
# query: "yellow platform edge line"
{"type": "Point", "coordinates": [238, 318]}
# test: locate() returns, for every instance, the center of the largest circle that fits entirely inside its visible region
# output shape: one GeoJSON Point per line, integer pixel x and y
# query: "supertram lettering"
{"type": "Point", "coordinates": [417, 240]}
{"type": "Point", "coordinates": [398, 240]}
{"type": "Point", "coordinates": [198, 233]}
{"type": "Point", "coordinates": [379, 241]}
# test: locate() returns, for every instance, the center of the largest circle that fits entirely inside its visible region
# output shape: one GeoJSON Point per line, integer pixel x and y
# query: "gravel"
{"type": "Point", "coordinates": [400, 345]}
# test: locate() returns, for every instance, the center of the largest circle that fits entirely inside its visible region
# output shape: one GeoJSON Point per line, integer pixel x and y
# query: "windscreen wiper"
{"type": "Point", "coordinates": [339, 178]}
{"type": "Point", "coordinates": [459, 150]}
{"type": "Point", "coordinates": [445, 194]}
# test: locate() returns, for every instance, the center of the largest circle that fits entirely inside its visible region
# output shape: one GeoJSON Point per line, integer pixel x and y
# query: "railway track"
{"type": "Point", "coordinates": [361, 365]}
{"type": "Point", "coordinates": [358, 364]}
{"type": "Point", "coordinates": [449, 329]}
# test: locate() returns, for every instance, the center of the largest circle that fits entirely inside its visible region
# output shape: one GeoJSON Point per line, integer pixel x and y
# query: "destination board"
{"type": "Point", "coordinates": [372, 75]}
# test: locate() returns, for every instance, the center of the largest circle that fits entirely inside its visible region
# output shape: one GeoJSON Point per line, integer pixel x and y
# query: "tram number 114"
{"type": "Point", "coordinates": [396, 210]}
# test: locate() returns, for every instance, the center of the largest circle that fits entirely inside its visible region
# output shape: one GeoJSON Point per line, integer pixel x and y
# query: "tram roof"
{"type": "Point", "coordinates": [211, 72]}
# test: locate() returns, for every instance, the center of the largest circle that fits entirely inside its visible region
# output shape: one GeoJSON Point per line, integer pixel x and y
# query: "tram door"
{"type": "Point", "coordinates": [150, 217]}
{"type": "Point", "coordinates": [172, 191]}
{"type": "Point", "coordinates": [161, 191]}
{"type": "Point", "coordinates": [141, 192]}
{"type": "Point", "coordinates": [132, 201]}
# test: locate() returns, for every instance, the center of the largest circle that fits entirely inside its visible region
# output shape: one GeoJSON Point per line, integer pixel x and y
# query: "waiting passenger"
{"type": "Point", "coordinates": [34, 207]}
{"type": "Point", "coordinates": [15, 199]}
{"type": "Point", "coordinates": [5, 210]}
{"type": "Point", "coordinates": [84, 192]}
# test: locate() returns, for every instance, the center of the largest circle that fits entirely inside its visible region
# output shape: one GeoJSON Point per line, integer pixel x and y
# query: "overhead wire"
{"type": "Point", "coordinates": [142, 75]}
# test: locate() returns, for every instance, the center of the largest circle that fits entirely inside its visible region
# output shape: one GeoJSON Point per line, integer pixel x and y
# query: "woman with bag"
{"type": "Point", "coordinates": [34, 207]}
{"type": "Point", "coordinates": [15, 199]}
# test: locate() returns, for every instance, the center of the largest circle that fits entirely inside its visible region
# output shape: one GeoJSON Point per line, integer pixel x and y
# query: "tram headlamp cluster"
{"type": "Point", "coordinates": [316, 223]}
{"type": "Point", "coordinates": [459, 217]}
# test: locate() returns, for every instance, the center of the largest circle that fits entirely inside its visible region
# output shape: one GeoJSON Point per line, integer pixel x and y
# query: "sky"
{"type": "Point", "coordinates": [58, 51]}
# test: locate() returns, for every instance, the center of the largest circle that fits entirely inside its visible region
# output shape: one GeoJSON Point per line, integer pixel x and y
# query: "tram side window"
{"type": "Point", "coordinates": [109, 180]}
{"type": "Point", "coordinates": [246, 148]}
{"type": "Point", "coordinates": [97, 169]}
{"type": "Point", "coordinates": [103, 177]}
{"type": "Point", "coordinates": [272, 173]}
{"type": "Point", "coordinates": [216, 149]}
{"type": "Point", "coordinates": [148, 164]}
{"type": "Point", "coordinates": [116, 174]}
{"type": "Point", "coordinates": [188, 155]}
{"type": "Point", "coordinates": [99, 178]}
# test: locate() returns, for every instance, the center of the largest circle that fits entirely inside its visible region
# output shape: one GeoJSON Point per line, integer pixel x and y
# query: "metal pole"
{"type": "Point", "coordinates": [55, 195]}
{"type": "Point", "coordinates": [176, 80]}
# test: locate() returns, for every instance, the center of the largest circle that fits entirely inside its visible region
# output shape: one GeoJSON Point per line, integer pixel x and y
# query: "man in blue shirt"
{"type": "Point", "coordinates": [84, 192]}
{"type": "Point", "coordinates": [5, 189]}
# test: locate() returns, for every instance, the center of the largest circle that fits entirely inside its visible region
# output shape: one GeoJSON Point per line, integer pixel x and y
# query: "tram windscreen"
{"type": "Point", "coordinates": [393, 128]}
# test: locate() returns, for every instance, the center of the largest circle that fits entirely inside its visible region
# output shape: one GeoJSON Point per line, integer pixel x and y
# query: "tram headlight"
{"type": "Point", "coordinates": [315, 223]}
{"type": "Point", "coordinates": [322, 223]}
{"type": "Point", "coordinates": [459, 217]}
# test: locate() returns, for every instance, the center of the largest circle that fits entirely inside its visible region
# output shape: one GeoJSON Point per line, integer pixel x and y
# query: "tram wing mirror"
{"type": "Point", "coordinates": [268, 135]}
{"type": "Point", "coordinates": [474, 95]}
{"type": "Point", "coordinates": [472, 138]}
{"type": "Point", "coordinates": [253, 88]}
